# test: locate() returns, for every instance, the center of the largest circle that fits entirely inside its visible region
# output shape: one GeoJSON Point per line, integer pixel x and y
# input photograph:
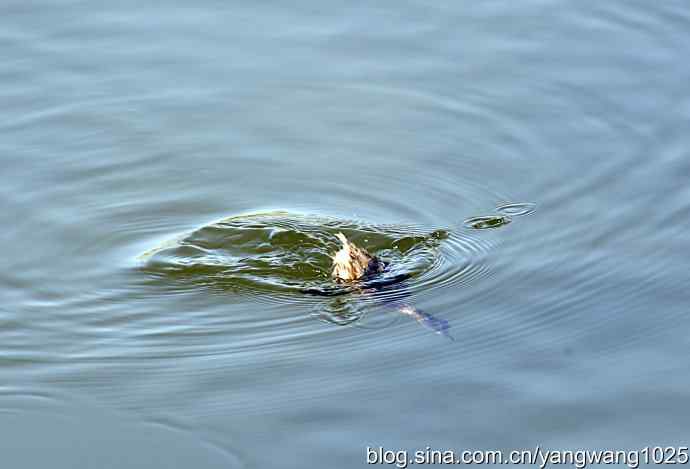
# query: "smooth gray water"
{"type": "Point", "coordinates": [126, 125]}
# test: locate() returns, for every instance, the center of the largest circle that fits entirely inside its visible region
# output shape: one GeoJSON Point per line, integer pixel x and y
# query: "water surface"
{"type": "Point", "coordinates": [130, 126]}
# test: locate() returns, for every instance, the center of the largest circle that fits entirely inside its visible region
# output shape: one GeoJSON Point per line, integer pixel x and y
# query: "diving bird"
{"type": "Point", "coordinates": [355, 266]}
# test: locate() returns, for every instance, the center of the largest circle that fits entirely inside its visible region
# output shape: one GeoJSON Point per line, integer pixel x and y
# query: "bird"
{"type": "Point", "coordinates": [353, 263]}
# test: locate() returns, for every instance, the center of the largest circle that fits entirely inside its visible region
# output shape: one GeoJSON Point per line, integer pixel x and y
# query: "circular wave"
{"type": "Point", "coordinates": [282, 257]}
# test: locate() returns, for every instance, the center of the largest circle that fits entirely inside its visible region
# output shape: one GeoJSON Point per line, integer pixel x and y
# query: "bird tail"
{"type": "Point", "coordinates": [343, 239]}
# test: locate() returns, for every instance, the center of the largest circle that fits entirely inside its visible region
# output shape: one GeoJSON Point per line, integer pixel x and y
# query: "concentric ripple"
{"type": "Point", "coordinates": [286, 257]}
{"type": "Point", "coordinates": [502, 218]}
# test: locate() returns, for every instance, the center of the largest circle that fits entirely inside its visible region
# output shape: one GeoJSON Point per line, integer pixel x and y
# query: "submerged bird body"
{"type": "Point", "coordinates": [354, 263]}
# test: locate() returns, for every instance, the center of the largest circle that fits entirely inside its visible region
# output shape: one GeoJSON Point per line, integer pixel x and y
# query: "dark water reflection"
{"type": "Point", "coordinates": [126, 126]}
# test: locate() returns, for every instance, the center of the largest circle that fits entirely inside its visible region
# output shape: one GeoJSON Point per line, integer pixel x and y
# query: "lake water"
{"type": "Point", "coordinates": [173, 177]}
